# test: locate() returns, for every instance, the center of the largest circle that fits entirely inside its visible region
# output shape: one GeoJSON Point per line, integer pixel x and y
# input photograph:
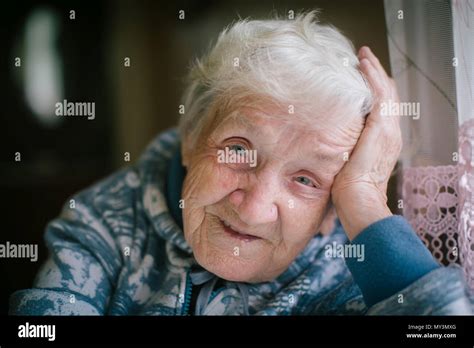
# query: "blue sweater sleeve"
{"type": "Point", "coordinates": [394, 258]}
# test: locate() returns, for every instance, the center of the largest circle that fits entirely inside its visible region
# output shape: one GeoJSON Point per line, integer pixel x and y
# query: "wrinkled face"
{"type": "Point", "coordinates": [247, 219]}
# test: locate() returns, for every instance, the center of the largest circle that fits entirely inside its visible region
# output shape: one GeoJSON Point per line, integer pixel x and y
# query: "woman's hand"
{"type": "Point", "coordinates": [359, 190]}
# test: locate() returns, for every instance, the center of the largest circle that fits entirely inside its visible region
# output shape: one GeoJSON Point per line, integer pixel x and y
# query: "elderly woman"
{"type": "Point", "coordinates": [270, 200]}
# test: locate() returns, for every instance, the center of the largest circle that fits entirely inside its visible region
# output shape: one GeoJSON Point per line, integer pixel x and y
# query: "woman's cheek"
{"type": "Point", "coordinates": [307, 216]}
{"type": "Point", "coordinates": [208, 182]}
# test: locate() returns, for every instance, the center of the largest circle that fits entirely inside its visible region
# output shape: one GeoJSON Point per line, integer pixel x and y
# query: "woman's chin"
{"type": "Point", "coordinates": [232, 257]}
{"type": "Point", "coordinates": [232, 268]}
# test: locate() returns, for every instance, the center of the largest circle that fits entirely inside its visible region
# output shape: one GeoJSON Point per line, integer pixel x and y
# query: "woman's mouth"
{"type": "Point", "coordinates": [233, 232]}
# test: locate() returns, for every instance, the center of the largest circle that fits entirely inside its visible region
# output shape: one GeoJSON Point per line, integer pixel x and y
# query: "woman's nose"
{"type": "Point", "coordinates": [255, 204]}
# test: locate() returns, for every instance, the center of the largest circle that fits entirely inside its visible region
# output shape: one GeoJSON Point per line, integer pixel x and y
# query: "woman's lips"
{"type": "Point", "coordinates": [239, 235]}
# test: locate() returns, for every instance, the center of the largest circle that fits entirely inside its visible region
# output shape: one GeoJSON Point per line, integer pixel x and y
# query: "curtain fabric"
{"type": "Point", "coordinates": [431, 46]}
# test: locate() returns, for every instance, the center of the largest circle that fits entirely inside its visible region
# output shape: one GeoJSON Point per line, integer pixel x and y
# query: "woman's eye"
{"type": "Point", "coordinates": [239, 149]}
{"type": "Point", "coordinates": [238, 155]}
{"type": "Point", "coordinates": [304, 180]}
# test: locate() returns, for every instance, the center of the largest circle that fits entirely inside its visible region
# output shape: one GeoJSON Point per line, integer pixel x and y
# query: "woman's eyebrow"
{"type": "Point", "coordinates": [236, 121]}
{"type": "Point", "coordinates": [323, 157]}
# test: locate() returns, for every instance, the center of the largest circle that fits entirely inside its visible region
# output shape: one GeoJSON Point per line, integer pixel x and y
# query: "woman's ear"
{"type": "Point", "coordinates": [329, 220]}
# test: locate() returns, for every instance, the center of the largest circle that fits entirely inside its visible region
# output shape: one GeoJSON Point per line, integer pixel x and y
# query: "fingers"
{"type": "Point", "coordinates": [382, 86]}
{"type": "Point", "coordinates": [385, 85]}
{"type": "Point", "coordinates": [366, 52]}
{"type": "Point", "coordinates": [374, 79]}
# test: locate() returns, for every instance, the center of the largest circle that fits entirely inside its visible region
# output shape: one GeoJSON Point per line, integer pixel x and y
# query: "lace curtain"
{"type": "Point", "coordinates": [431, 45]}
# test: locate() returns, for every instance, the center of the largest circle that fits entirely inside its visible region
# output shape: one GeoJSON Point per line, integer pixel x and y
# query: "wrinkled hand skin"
{"type": "Point", "coordinates": [359, 192]}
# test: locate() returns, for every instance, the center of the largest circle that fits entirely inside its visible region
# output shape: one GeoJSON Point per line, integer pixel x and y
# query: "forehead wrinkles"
{"type": "Point", "coordinates": [307, 144]}
{"type": "Point", "coordinates": [275, 130]}
{"type": "Point", "coordinates": [290, 140]}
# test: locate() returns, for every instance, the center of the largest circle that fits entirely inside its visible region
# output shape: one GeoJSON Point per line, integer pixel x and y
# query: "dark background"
{"type": "Point", "coordinates": [133, 103]}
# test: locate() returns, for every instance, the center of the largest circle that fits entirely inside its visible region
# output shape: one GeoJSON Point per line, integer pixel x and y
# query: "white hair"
{"type": "Point", "coordinates": [295, 62]}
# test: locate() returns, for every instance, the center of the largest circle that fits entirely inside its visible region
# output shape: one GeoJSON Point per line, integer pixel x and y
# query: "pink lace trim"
{"type": "Point", "coordinates": [430, 201]}
{"type": "Point", "coordinates": [439, 204]}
